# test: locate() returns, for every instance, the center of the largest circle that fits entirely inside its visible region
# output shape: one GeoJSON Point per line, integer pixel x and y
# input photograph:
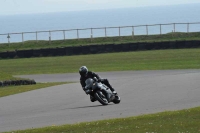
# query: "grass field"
{"type": "Point", "coordinates": [143, 60]}
{"type": "Point", "coordinates": [185, 121]}
{"type": "Point", "coordinates": [10, 90]}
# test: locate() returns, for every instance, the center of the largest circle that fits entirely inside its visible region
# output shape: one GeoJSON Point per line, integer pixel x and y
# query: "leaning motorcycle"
{"type": "Point", "coordinates": [101, 92]}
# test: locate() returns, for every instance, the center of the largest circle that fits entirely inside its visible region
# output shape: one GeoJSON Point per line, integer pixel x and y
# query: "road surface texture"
{"type": "Point", "coordinates": [141, 92]}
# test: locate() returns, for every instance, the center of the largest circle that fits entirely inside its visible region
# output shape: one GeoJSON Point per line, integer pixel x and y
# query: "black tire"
{"type": "Point", "coordinates": [101, 98]}
{"type": "Point", "coordinates": [117, 100]}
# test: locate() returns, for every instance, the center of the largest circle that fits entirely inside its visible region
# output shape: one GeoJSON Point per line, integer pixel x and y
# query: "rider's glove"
{"type": "Point", "coordinates": [95, 79]}
{"type": "Point", "coordinates": [100, 80]}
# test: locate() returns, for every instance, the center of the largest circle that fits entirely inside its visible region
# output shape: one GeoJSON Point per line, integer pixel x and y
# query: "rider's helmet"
{"type": "Point", "coordinates": [83, 71]}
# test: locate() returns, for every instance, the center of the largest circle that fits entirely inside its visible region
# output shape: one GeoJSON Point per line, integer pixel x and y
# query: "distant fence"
{"type": "Point", "coordinates": [100, 32]}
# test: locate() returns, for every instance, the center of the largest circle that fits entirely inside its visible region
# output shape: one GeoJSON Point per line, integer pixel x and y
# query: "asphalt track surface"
{"type": "Point", "coordinates": [141, 92]}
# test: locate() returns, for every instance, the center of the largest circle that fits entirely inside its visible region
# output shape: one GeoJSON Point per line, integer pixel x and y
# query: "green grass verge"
{"type": "Point", "coordinates": [167, 122]}
{"type": "Point", "coordinates": [10, 90]}
{"type": "Point", "coordinates": [183, 121]}
{"type": "Point", "coordinates": [6, 76]}
{"type": "Point", "coordinates": [141, 60]}
{"type": "Point", "coordinates": [102, 40]}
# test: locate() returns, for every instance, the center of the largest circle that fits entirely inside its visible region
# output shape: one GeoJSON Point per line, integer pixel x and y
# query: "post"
{"type": "Point", "coordinates": [119, 32]}
{"type": "Point", "coordinates": [147, 29]}
{"type": "Point", "coordinates": [91, 34]}
{"type": "Point", "coordinates": [174, 27]}
{"type": "Point", "coordinates": [36, 36]}
{"type": "Point", "coordinates": [8, 38]}
{"type": "Point", "coordinates": [77, 34]}
{"type": "Point", "coordinates": [64, 34]}
{"type": "Point", "coordinates": [160, 29]}
{"type": "Point", "coordinates": [105, 32]}
{"type": "Point", "coordinates": [22, 37]}
{"type": "Point", "coordinates": [133, 32]}
{"type": "Point", "coordinates": [49, 36]}
{"type": "Point", "coordinates": [188, 28]}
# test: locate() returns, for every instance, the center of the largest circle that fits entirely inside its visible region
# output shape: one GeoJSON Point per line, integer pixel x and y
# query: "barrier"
{"type": "Point", "coordinates": [109, 48]}
{"type": "Point", "coordinates": [134, 46]}
{"type": "Point", "coordinates": [16, 82]}
{"type": "Point", "coordinates": [150, 46]}
{"type": "Point", "coordinates": [105, 48]}
{"type": "Point", "coordinates": [94, 49]}
{"type": "Point", "coordinates": [36, 53]}
{"type": "Point", "coordinates": [125, 47]}
{"type": "Point", "coordinates": [76, 50]}
{"type": "Point", "coordinates": [11, 54]}
{"type": "Point", "coordinates": [165, 45]}
{"type": "Point", "coordinates": [24, 53]}
{"type": "Point", "coordinates": [60, 51]}
{"type": "Point", "coordinates": [101, 48]}
{"type": "Point", "coordinates": [117, 47]}
{"type": "Point", "coordinates": [69, 50]}
{"type": "Point", "coordinates": [4, 55]}
{"type": "Point", "coordinates": [195, 44]}
{"type": "Point", "coordinates": [142, 46]}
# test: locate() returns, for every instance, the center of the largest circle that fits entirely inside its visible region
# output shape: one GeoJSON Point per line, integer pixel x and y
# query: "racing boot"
{"type": "Point", "coordinates": [113, 91]}
{"type": "Point", "coordinates": [106, 82]}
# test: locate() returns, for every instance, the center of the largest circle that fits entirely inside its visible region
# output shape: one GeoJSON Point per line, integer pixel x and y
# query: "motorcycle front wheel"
{"type": "Point", "coordinates": [117, 100]}
{"type": "Point", "coordinates": [101, 98]}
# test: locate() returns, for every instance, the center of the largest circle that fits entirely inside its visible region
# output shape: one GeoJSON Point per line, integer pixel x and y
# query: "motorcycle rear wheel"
{"type": "Point", "coordinates": [101, 98]}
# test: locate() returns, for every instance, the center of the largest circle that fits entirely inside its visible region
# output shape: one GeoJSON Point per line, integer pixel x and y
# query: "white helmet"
{"type": "Point", "coordinates": [83, 71]}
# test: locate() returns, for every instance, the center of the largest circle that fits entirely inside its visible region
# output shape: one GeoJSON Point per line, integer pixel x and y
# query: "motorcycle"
{"type": "Point", "coordinates": [101, 92]}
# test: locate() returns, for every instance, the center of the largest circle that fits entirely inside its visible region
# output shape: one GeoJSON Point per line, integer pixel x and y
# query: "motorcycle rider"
{"type": "Point", "coordinates": [85, 74]}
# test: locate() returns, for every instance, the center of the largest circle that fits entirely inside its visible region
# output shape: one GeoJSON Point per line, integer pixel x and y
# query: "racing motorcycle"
{"type": "Point", "coordinates": [101, 92]}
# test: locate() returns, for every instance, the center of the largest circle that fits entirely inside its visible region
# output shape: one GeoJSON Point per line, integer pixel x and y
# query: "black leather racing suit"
{"type": "Point", "coordinates": [92, 75]}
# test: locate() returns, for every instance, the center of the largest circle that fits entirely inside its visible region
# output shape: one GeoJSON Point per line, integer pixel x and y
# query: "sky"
{"type": "Point", "coordinates": [11, 7]}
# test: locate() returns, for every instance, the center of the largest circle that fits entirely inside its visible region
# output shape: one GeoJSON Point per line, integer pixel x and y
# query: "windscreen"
{"type": "Point", "coordinates": [89, 83]}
